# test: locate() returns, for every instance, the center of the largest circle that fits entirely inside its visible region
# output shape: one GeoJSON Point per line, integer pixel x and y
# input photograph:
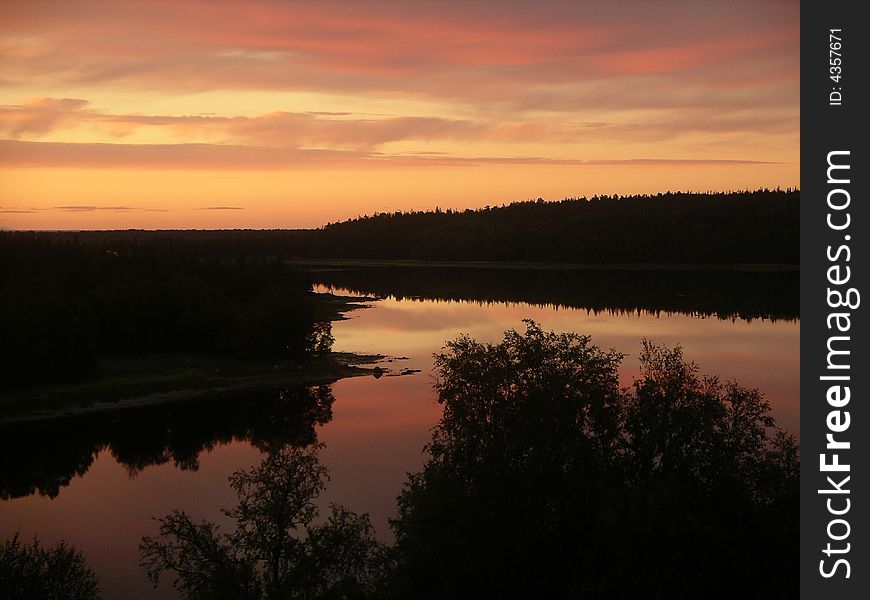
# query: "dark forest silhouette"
{"type": "Point", "coordinates": [721, 228]}
{"type": "Point", "coordinates": [64, 303]}
{"type": "Point", "coordinates": [713, 228]}
{"type": "Point", "coordinates": [724, 294]}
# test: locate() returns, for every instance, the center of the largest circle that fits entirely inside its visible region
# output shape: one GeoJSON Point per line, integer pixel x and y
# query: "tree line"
{"type": "Point", "coordinates": [760, 226]}
{"type": "Point", "coordinates": [65, 301]}
{"type": "Point", "coordinates": [719, 228]}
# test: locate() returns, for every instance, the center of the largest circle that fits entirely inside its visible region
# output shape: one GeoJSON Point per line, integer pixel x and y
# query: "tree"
{"type": "Point", "coordinates": [276, 551]}
{"type": "Point", "coordinates": [320, 339]}
{"type": "Point", "coordinates": [527, 431]}
{"type": "Point", "coordinates": [31, 571]}
{"type": "Point", "coordinates": [705, 470]}
{"type": "Point", "coordinates": [546, 479]}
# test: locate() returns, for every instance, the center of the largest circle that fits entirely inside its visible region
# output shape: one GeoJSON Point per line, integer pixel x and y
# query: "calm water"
{"type": "Point", "coordinates": [377, 429]}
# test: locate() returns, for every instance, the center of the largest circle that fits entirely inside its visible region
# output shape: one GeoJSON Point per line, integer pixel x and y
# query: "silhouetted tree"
{"type": "Point", "coordinates": [321, 339]}
{"type": "Point", "coordinates": [545, 479]}
{"type": "Point", "coordinates": [705, 470]}
{"type": "Point", "coordinates": [276, 551]}
{"type": "Point", "coordinates": [33, 572]}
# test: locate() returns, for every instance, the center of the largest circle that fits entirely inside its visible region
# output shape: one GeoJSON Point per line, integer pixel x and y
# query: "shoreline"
{"type": "Point", "coordinates": [135, 381]}
{"type": "Point", "coordinates": [551, 266]}
{"type": "Point", "coordinates": [100, 395]}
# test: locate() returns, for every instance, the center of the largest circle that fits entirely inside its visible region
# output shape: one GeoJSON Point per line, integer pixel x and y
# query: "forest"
{"type": "Point", "coordinates": [65, 302]}
{"type": "Point", "coordinates": [760, 226]}
{"type": "Point", "coordinates": [722, 228]}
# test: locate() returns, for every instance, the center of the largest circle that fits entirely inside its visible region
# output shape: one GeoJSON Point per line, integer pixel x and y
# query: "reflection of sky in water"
{"type": "Point", "coordinates": [379, 427]}
{"type": "Point", "coordinates": [105, 513]}
{"type": "Point", "coordinates": [760, 354]}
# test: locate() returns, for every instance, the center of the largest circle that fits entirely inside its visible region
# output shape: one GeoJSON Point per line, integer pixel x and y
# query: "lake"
{"type": "Point", "coordinates": [110, 475]}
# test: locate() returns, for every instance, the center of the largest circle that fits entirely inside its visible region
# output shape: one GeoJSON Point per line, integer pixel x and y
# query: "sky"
{"type": "Point", "coordinates": [154, 115]}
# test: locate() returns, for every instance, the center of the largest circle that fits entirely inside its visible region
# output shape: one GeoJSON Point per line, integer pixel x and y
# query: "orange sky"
{"type": "Point", "coordinates": [292, 114]}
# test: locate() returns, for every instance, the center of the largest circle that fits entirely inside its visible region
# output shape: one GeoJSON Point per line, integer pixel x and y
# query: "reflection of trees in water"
{"type": "Point", "coordinates": [43, 456]}
{"type": "Point", "coordinates": [545, 479]}
{"type": "Point", "coordinates": [276, 549]}
{"type": "Point", "coordinates": [724, 294]}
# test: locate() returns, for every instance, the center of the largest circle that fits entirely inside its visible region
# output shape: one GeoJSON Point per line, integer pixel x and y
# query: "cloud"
{"type": "Point", "coordinates": [477, 51]}
{"type": "Point", "coordinates": [233, 157]}
{"type": "Point", "coordinates": [91, 208]}
{"type": "Point", "coordinates": [561, 81]}
{"type": "Point", "coordinates": [285, 129]}
{"type": "Point", "coordinates": [167, 156]}
{"type": "Point", "coordinates": [349, 131]}
{"type": "Point", "coordinates": [78, 208]}
{"type": "Point", "coordinates": [39, 116]}
{"type": "Point", "coordinates": [220, 208]}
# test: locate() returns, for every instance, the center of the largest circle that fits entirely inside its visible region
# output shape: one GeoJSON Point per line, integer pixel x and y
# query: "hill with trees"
{"type": "Point", "coordinates": [761, 226]}
{"type": "Point", "coordinates": [721, 228]}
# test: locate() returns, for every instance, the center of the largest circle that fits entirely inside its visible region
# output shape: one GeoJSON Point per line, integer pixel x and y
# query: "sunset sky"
{"type": "Point", "coordinates": [293, 114]}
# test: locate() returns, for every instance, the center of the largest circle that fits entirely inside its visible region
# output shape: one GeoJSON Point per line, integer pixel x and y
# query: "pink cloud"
{"type": "Point", "coordinates": [39, 116]}
{"type": "Point", "coordinates": [211, 156]}
{"type": "Point", "coordinates": [347, 131]}
{"type": "Point", "coordinates": [476, 50]}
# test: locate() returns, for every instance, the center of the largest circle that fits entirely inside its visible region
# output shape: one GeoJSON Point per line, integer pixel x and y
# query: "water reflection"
{"type": "Point", "coordinates": [374, 430]}
{"type": "Point", "coordinates": [544, 478]}
{"type": "Point", "coordinates": [140, 437]}
{"type": "Point", "coordinates": [380, 426]}
{"type": "Point", "coordinates": [726, 294]}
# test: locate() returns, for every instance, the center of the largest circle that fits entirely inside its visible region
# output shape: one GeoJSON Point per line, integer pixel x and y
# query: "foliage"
{"type": "Point", "coordinates": [276, 550]}
{"type": "Point", "coordinates": [321, 339]}
{"type": "Point", "coordinates": [33, 572]}
{"type": "Point", "coordinates": [66, 300]}
{"type": "Point", "coordinates": [545, 479]}
{"type": "Point", "coordinates": [501, 397]}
